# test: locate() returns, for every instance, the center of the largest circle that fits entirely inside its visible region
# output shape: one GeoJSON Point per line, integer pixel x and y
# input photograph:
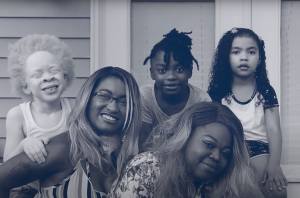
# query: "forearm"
{"type": "Point", "coordinates": [275, 146]}
{"type": "Point", "coordinates": [18, 171]}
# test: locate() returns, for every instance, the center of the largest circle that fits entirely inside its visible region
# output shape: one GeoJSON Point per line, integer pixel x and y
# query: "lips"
{"type": "Point", "coordinates": [211, 167]}
{"type": "Point", "coordinates": [243, 66]}
{"type": "Point", "coordinates": [109, 117]}
{"type": "Point", "coordinates": [171, 86]}
{"type": "Point", "coordinates": [50, 88]}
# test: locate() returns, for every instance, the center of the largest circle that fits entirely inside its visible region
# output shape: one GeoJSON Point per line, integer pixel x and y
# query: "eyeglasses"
{"type": "Point", "coordinates": [107, 98]}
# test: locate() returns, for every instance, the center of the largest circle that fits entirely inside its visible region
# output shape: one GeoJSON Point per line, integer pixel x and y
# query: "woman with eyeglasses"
{"type": "Point", "coordinates": [103, 136]}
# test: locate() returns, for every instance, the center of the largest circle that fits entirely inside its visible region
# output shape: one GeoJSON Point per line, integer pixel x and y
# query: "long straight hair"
{"type": "Point", "coordinates": [85, 143]}
{"type": "Point", "coordinates": [170, 138]}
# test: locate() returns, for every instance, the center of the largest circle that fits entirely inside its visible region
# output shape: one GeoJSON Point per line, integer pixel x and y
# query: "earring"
{"type": "Point", "coordinates": [123, 138]}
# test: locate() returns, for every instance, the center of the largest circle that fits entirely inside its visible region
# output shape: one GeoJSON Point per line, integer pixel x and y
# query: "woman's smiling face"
{"type": "Point", "coordinates": [107, 117]}
{"type": "Point", "coordinates": [208, 151]}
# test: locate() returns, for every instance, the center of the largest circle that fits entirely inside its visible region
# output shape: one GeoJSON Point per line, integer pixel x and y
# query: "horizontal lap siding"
{"type": "Point", "coordinates": [69, 20]}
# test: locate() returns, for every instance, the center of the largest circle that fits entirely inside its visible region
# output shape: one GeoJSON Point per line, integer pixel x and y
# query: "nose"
{"type": "Point", "coordinates": [112, 106]}
{"type": "Point", "coordinates": [171, 75]}
{"type": "Point", "coordinates": [47, 77]}
{"type": "Point", "coordinates": [244, 56]}
{"type": "Point", "coordinates": [215, 155]}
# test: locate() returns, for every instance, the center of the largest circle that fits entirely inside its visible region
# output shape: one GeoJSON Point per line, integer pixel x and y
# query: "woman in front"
{"type": "Point", "coordinates": [198, 153]}
{"type": "Point", "coordinates": [103, 136]}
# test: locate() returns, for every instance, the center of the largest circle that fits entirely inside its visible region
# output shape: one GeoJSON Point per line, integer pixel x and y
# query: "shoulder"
{"type": "Point", "coordinates": [146, 89]}
{"type": "Point", "coordinates": [139, 178]}
{"type": "Point", "coordinates": [199, 94]}
{"type": "Point", "coordinates": [148, 159]}
{"type": "Point", "coordinates": [15, 113]}
{"type": "Point", "coordinates": [147, 95]}
{"type": "Point", "coordinates": [270, 97]}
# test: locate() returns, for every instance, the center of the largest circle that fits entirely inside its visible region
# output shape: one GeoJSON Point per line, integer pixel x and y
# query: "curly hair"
{"type": "Point", "coordinates": [221, 74]}
{"type": "Point", "coordinates": [26, 46]}
{"type": "Point", "coordinates": [85, 142]}
{"type": "Point", "coordinates": [177, 43]}
{"type": "Point", "coordinates": [169, 140]}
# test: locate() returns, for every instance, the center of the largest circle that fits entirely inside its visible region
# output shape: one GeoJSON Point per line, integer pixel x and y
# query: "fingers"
{"type": "Point", "coordinates": [35, 154]}
{"type": "Point", "coordinates": [38, 154]}
{"type": "Point", "coordinates": [283, 182]}
{"type": "Point", "coordinates": [278, 184]}
{"type": "Point", "coordinates": [271, 183]}
{"type": "Point", "coordinates": [264, 180]}
{"type": "Point", "coordinates": [42, 149]}
{"type": "Point", "coordinates": [45, 140]}
{"type": "Point", "coordinates": [28, 153]}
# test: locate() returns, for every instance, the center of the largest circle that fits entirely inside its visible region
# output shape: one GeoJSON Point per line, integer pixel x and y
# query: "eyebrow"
{"type": "Point", "coordinates": [53, 65]}
{"type": "Point", "coordinates": [253, 47]}
{"type": "Point", "coordinates": [161, 64]}
{"type": "Point", "coordinates": [208, 135]}
{"type": "Point", "coordinates": [109, 91]}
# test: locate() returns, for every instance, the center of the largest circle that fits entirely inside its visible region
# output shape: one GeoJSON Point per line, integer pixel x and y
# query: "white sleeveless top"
{"type": "Point", "coordinates": [34, 130]}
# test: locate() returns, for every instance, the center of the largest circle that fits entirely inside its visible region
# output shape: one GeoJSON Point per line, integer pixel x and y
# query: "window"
{"type": "Point", "coordinates": [290, 81]}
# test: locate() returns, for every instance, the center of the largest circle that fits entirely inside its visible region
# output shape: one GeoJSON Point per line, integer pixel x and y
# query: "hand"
{"type": "Point", "coordinates": [273, 173]}
{"type": "Point", "coordinates": [35, 149]}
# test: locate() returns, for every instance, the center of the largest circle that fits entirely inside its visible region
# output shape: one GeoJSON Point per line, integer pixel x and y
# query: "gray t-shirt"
{"type": "Point", "coordinates": [152, 114]}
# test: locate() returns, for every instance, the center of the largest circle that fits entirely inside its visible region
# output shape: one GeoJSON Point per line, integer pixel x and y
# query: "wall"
{"type": "Point", "coordinates": [68, 20]}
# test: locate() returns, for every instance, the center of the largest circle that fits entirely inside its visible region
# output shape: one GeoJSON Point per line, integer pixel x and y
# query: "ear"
{"type": "Point", "coordinates": [258, 62]}
{"type": "Point", "coordinates": [66, 81]}
{"type": "Point", "coordinates": [190, 74]}
{"type": "Point", "coordinates": [26, 89]}
{"type": "Point", "coordinates": [151, 74]}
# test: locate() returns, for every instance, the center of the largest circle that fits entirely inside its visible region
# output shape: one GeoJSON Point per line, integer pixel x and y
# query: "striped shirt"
{"type": "Point", "coordinates": [76, 185]}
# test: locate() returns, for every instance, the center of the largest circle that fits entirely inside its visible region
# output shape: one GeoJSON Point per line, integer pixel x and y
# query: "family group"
{"type": "Point", "coordinates": [161, 140]}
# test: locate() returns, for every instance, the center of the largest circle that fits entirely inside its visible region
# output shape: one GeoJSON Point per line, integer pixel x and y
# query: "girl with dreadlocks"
{"type": "Point", "coordinates": [171, 66]}
{"type": "Point", "coordinates": [239, 80]}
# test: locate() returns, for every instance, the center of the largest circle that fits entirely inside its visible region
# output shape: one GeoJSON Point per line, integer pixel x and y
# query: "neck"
{"type": "Point", "coordinates": [46, 107]}
{"type": "Point", "coordinates": [243, 81]}
{"type": "Point", "coordinates": [109, 143]}
{"type": "Point", "coordinates": [173, 99]}
{"type": "Point", "coordinates": [197, 184]}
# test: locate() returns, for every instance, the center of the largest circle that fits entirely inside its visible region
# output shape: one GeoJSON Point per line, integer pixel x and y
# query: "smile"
{"type": "Point", "coordinates": [50, 88]}
{"type": "Point", "coordinates": [209, 167]}
{"type": "Point", "coordinates": [171, 86]}
{"type": "Point", "coordinates": [107, 117]}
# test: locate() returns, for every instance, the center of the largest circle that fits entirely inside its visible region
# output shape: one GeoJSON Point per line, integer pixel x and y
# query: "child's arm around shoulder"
{"type": "Point", "coordinates": [14, 133]}
{"type": "Point", "coordinates": [20, 170]}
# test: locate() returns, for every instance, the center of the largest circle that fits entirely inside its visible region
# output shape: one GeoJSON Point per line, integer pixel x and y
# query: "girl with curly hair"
{"type": "Point", "coordinates": [239, 80]}
{"type": "Point", "coordinates": [199, 153]}
{"type": "Point", "coordinates": [171, 63]}
{"type": "Point", "coordinates": [40, 68]}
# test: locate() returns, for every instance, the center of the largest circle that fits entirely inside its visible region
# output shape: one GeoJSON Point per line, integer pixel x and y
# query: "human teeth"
{"type": "Point", "coordinates": [50, 88]}
{"type": "Point", "coordinates": [108, 117]}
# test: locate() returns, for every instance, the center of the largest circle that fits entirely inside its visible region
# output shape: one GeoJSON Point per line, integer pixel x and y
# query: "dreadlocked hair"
{"type": "Point", "coordinates": [177, 43]}
{"type": "Point", "coordinates": [221, 74]}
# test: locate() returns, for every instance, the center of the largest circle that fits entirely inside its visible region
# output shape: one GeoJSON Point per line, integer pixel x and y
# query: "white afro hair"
{"type": "Point", "coordinates": [26, 46]}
